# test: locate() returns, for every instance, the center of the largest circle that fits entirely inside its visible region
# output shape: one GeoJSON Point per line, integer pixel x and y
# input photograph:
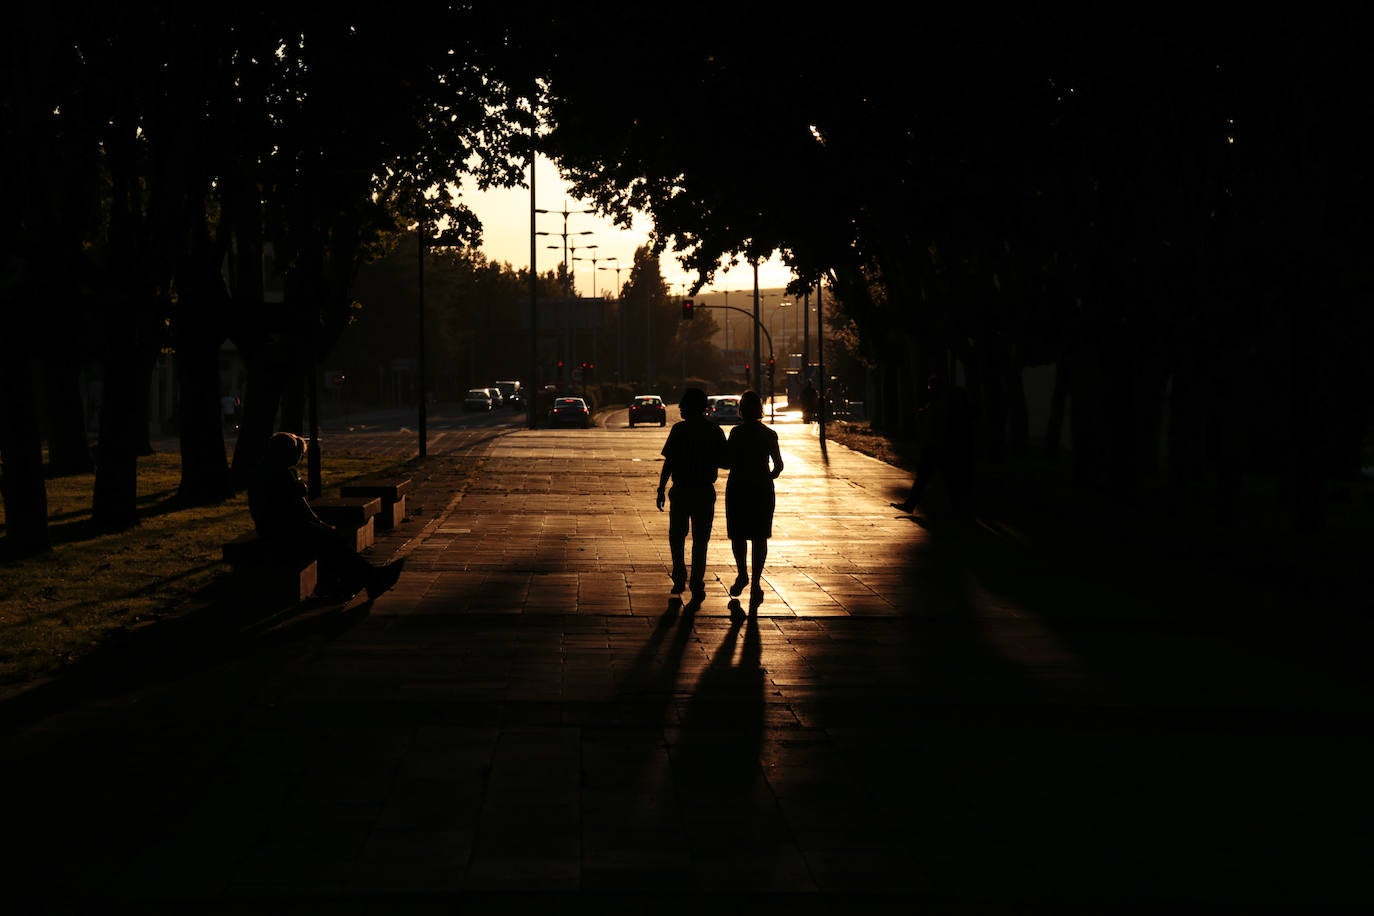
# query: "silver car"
{"type": "Point", "coordinates": [477, 399]}
{"type": "Point", "coordinates": [723, 408]}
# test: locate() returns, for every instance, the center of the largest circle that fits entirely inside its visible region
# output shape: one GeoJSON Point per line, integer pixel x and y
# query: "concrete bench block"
{"type": "Point", "coordinates": [281, 574]}
{"type": "Point", "coordinates": [352, 515]}
{"type": "Point", "coordinates": [390, 490]}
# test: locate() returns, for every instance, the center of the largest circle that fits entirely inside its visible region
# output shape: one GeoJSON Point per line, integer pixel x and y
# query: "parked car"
{"type": "Point", "coordinates": [648, 408]}
{"type": "Point", "coordinates": [570, 412]}
{"type": "Point", "coordinates": [477, 399]}
{"type": "Point", "coordinates": [723, 408]}
{"type": "Point", "coordinates": [513, 393]}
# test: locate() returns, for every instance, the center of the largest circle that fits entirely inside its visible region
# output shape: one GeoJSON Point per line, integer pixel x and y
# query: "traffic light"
{"type": "Point", "coordinates": [747, 367]}
{"type": "Point", "coordinates": [687, 311]}
{"type": "Point", "coordinates": [560, 368]}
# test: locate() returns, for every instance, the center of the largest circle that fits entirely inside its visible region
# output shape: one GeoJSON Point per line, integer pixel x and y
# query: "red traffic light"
{"type": "Point", "coordinates": [687, 310]}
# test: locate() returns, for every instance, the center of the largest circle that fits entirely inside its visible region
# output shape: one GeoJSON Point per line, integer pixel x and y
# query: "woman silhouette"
{"type": "Point", "coordinates": [755, 462]}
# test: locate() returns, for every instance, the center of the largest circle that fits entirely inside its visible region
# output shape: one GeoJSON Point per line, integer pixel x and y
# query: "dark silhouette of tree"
{"type": "Point", "coordinates": [1167, 215]}
{"type": "Point", "coordinates": [651, 320]}
{"type": "Point", "coordinates": [168, 151]}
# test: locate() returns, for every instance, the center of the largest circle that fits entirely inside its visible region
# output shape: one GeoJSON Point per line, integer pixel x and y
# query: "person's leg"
{"type": "Point", "coordinates": [759, 558]}
{"type": "Point", "coordinates": [352, 570]}
{"type": "Point", "coordinates": [703, 519]}
{"type": "Point", "coordinates": [678, 522]}
{"type": "Point", "coordinates": [740, 548]}
{"type": "Point", "coordinates": [924, 468]}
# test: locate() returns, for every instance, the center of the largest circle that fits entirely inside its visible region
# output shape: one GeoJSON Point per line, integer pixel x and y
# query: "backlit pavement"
{"type": "Point", "coordinates": [911, 716]}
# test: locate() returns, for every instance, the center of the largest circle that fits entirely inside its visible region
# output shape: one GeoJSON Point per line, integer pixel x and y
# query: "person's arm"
{"type": "Point", "coordinates": [663, 476]}
{"type": "Point", "coordinates": [665, 472]}
{"type": "Point", "coordinates": [303, 511]}
{"type": "Point", "coordinates": [776, 454]}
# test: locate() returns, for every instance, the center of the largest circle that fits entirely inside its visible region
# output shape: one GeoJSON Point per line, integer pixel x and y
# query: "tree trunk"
{"type": "Point", "coordinates": [123, 435]}
{"type": "Point", "coordinates": [204, 467]}
{"type": "Point", "coordinates": [261, 402]}
{"type": "Point", "coordinates": [200, 329]}
{"type": "Point", "coordinates": [69, 447]}
{"type": "Point", "coordinates": [21, 460]}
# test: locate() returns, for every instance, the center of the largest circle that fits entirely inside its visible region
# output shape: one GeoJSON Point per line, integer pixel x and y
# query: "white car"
{"type": "Point", "coordinates": [723, 408]}
{"type": "Point", "coordinates": [477, 399]}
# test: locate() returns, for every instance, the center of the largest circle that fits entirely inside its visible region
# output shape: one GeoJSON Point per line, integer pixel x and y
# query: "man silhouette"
{"type": "Point", "coordinates": [692, 456]}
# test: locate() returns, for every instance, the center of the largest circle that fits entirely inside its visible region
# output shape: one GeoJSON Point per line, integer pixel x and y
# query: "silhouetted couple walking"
{"type": "Point", "coordinates": [694, 453]}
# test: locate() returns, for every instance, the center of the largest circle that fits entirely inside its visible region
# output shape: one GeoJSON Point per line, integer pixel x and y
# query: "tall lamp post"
{"type": "Point", "coordinates": [567, 275]}
{"type": "Point", "coordinates": [565, 213]}
{"type": "Point", "coordinates": [617, 268]}
{"type": "Point", "coordinates": [596, 337]}
{"type": "Point", "coordinates": [772, 384]}
{"type": "Point", "coordinates": [593, 259]}
{"type": "Point", "coordinates": [758, 303]}
{"type": "Point", "coordinates": [621, 369]}
{"type": "Point", "coordinates": [726, 293]}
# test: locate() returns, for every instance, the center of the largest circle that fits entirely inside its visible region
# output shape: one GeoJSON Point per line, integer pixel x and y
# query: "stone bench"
{"type": "Point", "coordinates": [390, 490]}
{"type": "Point", "coordinates": [353, 515]}
{"type": "Point", "coordinates": [280, 575]}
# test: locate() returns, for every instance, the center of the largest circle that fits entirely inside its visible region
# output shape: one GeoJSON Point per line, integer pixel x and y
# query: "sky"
{"type": "Point", "coordinates": [505, 216]}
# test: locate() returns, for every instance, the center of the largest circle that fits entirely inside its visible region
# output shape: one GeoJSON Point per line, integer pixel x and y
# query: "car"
{"type": "Point", "coordinates": [570, 412]}
{"type": "Point", "coordinates": [513, 393]}
{"type": "Point", "coordinates": [648, 408]}
{"type": "Point", "coordinates": [477, 399]}
{"type": "Point", "coordinates": [497, 398]}
{"type": "Point", "coordinates": [723, 408]}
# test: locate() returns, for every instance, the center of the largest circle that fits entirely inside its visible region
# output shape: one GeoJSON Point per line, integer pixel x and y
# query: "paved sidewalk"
{"type": "Point", "coordinates": [912, 716]}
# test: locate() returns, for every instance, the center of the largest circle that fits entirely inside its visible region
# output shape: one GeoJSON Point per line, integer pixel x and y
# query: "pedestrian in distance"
{"type": "Point", "coordinates": [281, 512]}
{"type": "Point", "coordinates": [755, 461]}
{"type": "Point", "coordinates": [693, 454]}
{"type": "Point", "coordinates": [809, 396]}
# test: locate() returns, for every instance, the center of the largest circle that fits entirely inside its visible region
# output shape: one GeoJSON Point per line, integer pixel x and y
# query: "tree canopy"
{"type": "Point", "coordinates": [1169, 210]}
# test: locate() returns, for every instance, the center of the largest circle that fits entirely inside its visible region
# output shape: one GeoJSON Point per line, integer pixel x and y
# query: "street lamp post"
{"type": "Point", "coordinates": [726, 293]}
{"type": "Point", "coordinates": [567, 274]}
{"type": "Point", "coordinates": [772, 386]}
{"type": "Point", "coordinates": [617, 268]}
{"type": "Point", "coordinates": [565, 213]}
{"type": "Point", "coordinates": [596, 336]}
{"type": "Point", "coordinates": [620, 320]}
{"type": "Point", "coordinates": [593, 259]}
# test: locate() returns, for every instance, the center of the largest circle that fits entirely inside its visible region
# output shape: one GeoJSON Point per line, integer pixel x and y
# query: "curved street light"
{"type": "Point", "coordinates": [565, 213]}
{"type": "Point", "coordinates": [593, 259]}
{"type": "Point", "coordinates": [621, 367]}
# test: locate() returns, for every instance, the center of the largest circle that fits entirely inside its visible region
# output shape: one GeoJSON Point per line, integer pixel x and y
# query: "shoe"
{"type": "Point", "coordinates": [756, 595]}
{"type": "Point", "coordinates": [678, 588]}
{"type": "Point", "coordinates": [738, 588]}
{"type": "Point", "coordinates": [386, 577]}
{"type": "Point", "coordinates": [904, 507]}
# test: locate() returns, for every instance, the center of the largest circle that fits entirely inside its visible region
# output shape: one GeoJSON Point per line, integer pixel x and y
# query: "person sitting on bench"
{"type": "Point", "coordinates": [282, 515]}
